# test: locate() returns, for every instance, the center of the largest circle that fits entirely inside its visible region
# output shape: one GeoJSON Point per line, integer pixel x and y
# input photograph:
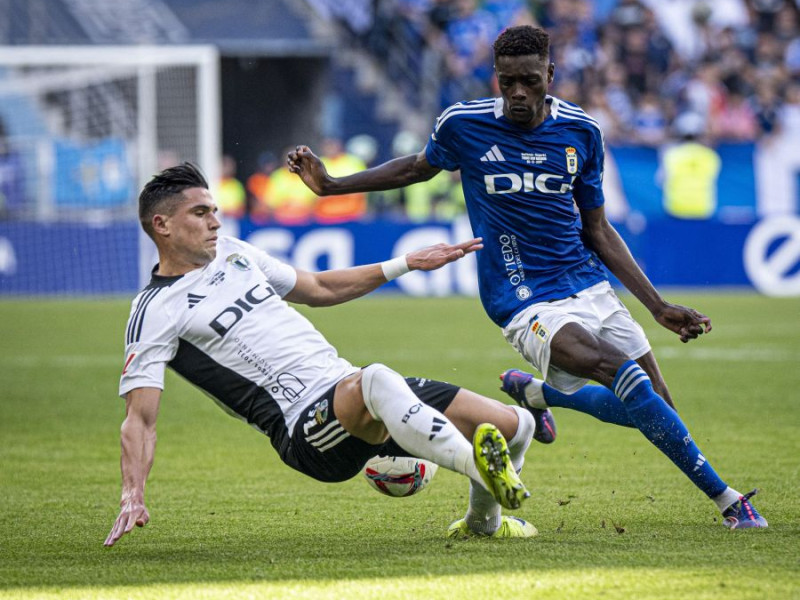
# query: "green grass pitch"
{"type": "Point", "coordinates": [228, 520]}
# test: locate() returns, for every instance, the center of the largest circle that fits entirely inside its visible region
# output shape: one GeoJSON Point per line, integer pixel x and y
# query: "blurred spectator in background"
{"type": "Point", "coordinates": [766, 105]}
{"type": "Point", "coordinates": [338, 162]}
{"type": "Point", "coordinates": [364, 147]}
{"type": "Point", "coordinates": [635, 65]}
{"type": "Point", "coordinates": [258, 187]}
{"type": "Point", "coordinates": [287, 202]}
{"type": "Point", "coordinates": [736, 121]}
{"type": "Point", "coordinates": [650, 123]}
{"type": "Point", "coordinates": [690, 172]}
{"type": "Point", "coordinates": [441, 198]}
{"type": "Point", "coordinates": [231, 197]}
{"type": "Point", "coordinates": [780, 158]}
{"type": "Point", "coordinates": [468, 59]}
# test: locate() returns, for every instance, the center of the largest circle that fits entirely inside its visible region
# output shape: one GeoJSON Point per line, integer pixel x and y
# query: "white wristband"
{"type": "Point", "coordinates": [392, 269]}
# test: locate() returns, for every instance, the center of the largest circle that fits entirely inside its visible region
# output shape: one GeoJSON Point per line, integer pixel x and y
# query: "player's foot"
{"type": "Point", "coordinates": [510, 527]}
{"type": "Point", "coordinates": [514, 384]}
{"type": "Point", "coordinates": [743, 515]}
{"type": "Point", "coordinates": [494, 464]}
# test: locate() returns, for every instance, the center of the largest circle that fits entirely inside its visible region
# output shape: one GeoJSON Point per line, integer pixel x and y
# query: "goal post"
{"type": "Point", "coordinates": [84, 127]}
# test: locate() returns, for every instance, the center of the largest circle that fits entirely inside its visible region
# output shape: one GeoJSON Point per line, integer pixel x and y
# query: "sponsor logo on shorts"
{"type": "Point", "coordinates": [539, 331]}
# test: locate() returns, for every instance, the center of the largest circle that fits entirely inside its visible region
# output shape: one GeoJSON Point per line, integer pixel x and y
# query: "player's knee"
{"type": "Point", "coordinates": [375, 377]}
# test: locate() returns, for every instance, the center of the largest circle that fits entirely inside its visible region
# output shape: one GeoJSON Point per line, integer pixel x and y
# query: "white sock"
{"type": "Point", "coordinates": [534, 394]}
{"type": "Point", "coordinates": [418, 428]}
{"type": "Point", "coordinates": [519, 442]}
{"type": "Point", "coordinates": [483, 514]}
{"type": "Point", "coordinates": [726, 498]}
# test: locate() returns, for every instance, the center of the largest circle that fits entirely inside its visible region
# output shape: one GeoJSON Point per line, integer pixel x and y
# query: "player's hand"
{"type": "Point", "coordinates": [685, 321]}
{"type": "Point", "coordinates": [309, 167]}
{"type": "Point", "coordinates": [434, 257]}
{"type": "Point", "coordinates": [132, 512]}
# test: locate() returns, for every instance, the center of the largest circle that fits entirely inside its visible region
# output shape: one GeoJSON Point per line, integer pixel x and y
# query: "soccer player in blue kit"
{"type": "Point", "coordinates": [526, 160]}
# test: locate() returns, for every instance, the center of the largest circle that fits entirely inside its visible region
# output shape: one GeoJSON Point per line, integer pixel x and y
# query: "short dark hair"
{"type": "Point", "coordinates": [523, 40]}
{"type": "Point", "coordinates": [163, 192]}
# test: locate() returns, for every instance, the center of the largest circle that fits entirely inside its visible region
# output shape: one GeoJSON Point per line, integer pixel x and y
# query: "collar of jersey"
{"type": "Point", "coordinates": [162, 280]}
{"type": "Point", "coordinates": [551, 100]}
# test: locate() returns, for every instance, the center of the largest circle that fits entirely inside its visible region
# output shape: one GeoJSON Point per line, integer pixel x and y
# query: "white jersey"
{"type": "Point", "coordinates": [226, 329]}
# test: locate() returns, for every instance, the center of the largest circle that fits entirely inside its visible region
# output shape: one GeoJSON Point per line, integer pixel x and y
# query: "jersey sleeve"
{"type": "Point", "coordinates": [151, 342]}
{"type": "Point", "coordinates": [282, 277]}
{"type": "Point", "coordinates": [588, 188]}
{"type": "Point", "coordinates": [441, 148]}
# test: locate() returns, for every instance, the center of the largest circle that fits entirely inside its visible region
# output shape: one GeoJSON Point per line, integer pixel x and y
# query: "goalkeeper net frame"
{"type": "Point", "coordinates": [87, 126]}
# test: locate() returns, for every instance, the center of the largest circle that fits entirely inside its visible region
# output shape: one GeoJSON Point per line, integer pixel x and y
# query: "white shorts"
{"type": "Point", "coordinates": [597, 309]}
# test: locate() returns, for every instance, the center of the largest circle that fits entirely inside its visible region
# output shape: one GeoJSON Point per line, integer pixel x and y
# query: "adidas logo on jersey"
{"type": "Point", "coordinates": [194, 299]}
{"type": "Point", "coordinates": [493, 155]}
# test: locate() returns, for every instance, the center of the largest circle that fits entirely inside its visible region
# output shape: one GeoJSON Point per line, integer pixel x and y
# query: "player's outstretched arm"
{"type": "Point", "coordinates": [138, 443]}
{"type": "Point", "coordinates": [395, 173]}
{"type": "Point", "coordinates": [606, 242]}
{"type": "Point", "coordinates": [340, 285]}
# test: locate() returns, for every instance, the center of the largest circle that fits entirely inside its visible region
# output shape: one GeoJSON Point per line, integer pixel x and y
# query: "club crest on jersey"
{"type": "Point", "coordinates": [321, 412]}
{"type": "Point", "coordinates": [572, 160]}
{"type": "Point", "coordinates": [523, 292]}
{"type": "Point", "coordinates": [240, 262]}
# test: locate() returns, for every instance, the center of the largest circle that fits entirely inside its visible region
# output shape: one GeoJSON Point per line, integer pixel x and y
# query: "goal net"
{"type": "Point", "coordinates": [81, 130]}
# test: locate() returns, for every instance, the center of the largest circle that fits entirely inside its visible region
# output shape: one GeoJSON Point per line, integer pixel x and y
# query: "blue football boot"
{"type": "Point", "coordinates": [514, 384]}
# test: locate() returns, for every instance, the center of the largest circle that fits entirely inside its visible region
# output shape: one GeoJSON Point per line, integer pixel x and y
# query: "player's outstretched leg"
{"type": "Point", "coordinates": [666, 431]}
{"type": "Point", "coordinates": [510, 527]}
{"type": "Point", "coordinates": [515, 383]}
{"type": "Point", "coordinates": [494, 465]}
{"type": "Point", "coordinates": [535, 395]}
{"type": "Point", "coordinates": [484, 515]}
{"type": "Point", "coordinates": [418, 428]}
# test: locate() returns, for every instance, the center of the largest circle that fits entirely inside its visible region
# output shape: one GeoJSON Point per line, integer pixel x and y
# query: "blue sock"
{"type": "Point", "coordinates": [595, 400]}
{"type": "Point", "coordinates": [664, 428]}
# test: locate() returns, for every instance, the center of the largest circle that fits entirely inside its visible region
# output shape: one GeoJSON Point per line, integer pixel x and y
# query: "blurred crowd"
{"type": "Point", "coordinates": [273, 194]}
{"type": "Point", "coordinates": [635, 65]}
{"type": "Point", "coordinates": [651, 72]}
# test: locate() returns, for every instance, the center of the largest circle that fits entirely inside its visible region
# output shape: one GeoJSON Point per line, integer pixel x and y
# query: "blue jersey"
{"type": "Point", "coordinates": [519, 186]}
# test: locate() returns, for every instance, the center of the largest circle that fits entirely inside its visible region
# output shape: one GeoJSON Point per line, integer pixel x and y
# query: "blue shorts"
{"type": "Point", "coordinates": [322, 449]}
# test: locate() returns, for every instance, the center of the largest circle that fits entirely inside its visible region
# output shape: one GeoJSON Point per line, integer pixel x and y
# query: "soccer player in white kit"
{"type": "Point", "coordinates": [216, 312]}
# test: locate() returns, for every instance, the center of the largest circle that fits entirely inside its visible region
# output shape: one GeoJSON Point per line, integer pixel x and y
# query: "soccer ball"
{"type": "Point", "coordinates": [399, 476]}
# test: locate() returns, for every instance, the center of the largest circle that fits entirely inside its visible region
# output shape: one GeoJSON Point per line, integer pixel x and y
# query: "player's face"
{"type": "Point", "coordinates": [193, 227]}
{"type": "Point", "coordinates": [523, 82]}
